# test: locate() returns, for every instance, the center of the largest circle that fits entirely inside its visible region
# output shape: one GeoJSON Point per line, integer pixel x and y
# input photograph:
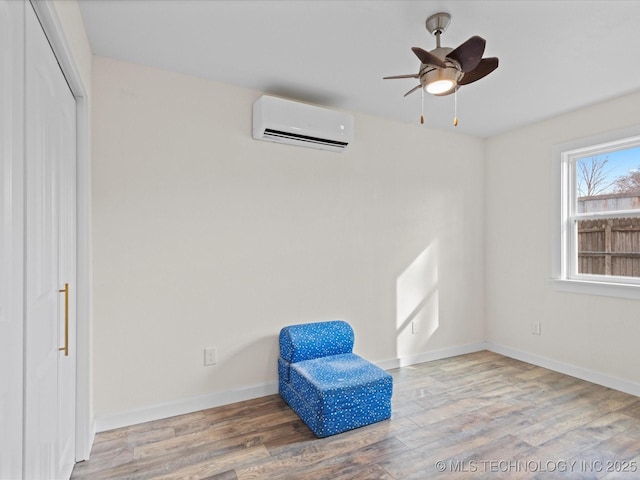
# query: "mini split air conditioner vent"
{"type": "Point", "coordinates": [293, 123]}
{"type": "Point", "coordinates": [303, 138]}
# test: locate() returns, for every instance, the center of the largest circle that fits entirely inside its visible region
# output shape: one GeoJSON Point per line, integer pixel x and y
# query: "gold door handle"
{"type": "Point", "coordinates": [66, 320]}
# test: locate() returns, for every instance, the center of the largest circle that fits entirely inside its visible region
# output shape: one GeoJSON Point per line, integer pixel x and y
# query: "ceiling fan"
{"type": "Point", "coordinates": [444, 70]}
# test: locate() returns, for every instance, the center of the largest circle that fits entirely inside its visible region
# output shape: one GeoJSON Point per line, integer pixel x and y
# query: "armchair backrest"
{"type": "Point", "coordinates": [314, 340]}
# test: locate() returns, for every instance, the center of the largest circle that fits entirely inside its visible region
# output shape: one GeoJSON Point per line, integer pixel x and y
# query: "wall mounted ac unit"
{"type": "Point", "coordinates": [294, 123]}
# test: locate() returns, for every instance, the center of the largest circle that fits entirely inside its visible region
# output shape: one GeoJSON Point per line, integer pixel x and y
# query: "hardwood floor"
{"type": "Point", "coordinates": [480, 415]}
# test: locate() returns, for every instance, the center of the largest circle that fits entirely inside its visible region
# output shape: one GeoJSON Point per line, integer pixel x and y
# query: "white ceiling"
{"type": "Point", "coordinates": [555, 56]}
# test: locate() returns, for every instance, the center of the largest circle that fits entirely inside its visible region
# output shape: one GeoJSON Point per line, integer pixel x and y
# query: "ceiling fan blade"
{"type": "Point", "coordinates": [409, 75]}
{"type": "Point", "coordinates": [429, 58]}
{"type": "Point", "coordinates": [413, 90]}
{"type": "Point", "coordinates": [469, 53]}
{"type": "Point", "coordinates": [484, 68]}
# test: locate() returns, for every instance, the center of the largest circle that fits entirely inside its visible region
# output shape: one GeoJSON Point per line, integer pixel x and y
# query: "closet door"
{"type": "Point", "coordinates": [49, 414]}
{"type": "Point", "coordinates": [11, 235]}
{"type": "Point", "coordinates": [67, 217]}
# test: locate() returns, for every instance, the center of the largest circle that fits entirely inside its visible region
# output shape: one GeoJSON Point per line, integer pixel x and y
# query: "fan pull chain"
{"type": "Point", "coordinates": [422, 112]}
{"type": "Point", "coordinates": [455, 107]}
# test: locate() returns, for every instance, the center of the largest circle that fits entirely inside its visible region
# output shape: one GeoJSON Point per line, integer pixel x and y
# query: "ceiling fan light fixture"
{"type": "Point", "coordinates": [441, 80]}
{"type": "Point", "coordinates": [440, 86]}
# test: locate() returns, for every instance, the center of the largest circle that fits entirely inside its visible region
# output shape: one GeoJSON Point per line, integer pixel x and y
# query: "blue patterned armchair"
{"type": "Point", "coordinates": [330, 388]}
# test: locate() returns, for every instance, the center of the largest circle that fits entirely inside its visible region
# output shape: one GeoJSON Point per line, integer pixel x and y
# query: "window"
{"type": "Point", "coordinates": [597, 238]}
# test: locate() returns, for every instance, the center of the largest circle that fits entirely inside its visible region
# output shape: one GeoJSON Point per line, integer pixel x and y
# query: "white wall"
{"type": "Point", "coordinates": [597, 335]}
{"type": "Point", "coordinates": [204, 237]}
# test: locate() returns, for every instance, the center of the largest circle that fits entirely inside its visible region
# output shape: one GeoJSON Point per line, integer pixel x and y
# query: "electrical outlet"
{"type": "Point", "coordinates": [536, 328]}
{"type": "Point", "coordinates": [210, 355]}
{"type": "Point", "coordinates": [415, 326]}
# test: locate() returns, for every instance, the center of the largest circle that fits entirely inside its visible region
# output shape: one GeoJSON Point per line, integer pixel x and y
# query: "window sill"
{"type": "Point", "coordinates": [591, 287]}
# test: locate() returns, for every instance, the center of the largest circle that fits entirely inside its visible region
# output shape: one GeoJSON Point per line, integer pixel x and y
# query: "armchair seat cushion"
{"type": "Point", "coordinates": [341, 382]}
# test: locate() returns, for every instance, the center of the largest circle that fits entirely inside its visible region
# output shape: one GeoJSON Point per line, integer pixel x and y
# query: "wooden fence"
{"type": "Point", "coordinates": [609, 246]}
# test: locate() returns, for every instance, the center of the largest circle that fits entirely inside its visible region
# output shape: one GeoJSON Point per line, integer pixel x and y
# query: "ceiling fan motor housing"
{"type": "Point", "coordinates": [438, 23]}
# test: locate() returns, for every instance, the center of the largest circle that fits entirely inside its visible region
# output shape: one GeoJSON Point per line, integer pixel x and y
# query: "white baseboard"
{"type": "Point", "coordinates": [432, 355]}
{"type": "Point", "coordinates": [189, 405]}
{"type": "Point", "coordinates": [598, 378]}
{"type": "Point", "coordinates": [180, 407]}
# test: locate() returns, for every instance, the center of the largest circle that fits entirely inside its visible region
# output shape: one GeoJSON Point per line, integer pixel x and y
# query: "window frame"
{"type": "Point", "coordinates": [565, 276]}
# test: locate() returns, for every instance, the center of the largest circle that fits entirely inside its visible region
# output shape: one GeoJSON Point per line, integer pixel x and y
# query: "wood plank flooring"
{"type": "Point", "coordinates": [480, 415]}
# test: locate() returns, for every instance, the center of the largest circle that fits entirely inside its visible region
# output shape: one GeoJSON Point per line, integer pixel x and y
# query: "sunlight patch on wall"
{"type": "Point", "coordinates": [417, 312]}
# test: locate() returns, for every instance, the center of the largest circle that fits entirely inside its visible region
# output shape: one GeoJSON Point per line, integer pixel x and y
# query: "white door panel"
{"type": "Point", "coordinates": [49, 432]}
{"type": "Point", "coordinates": [66, 122]}
{"type": "Point", "coordinates": [11, 235]}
